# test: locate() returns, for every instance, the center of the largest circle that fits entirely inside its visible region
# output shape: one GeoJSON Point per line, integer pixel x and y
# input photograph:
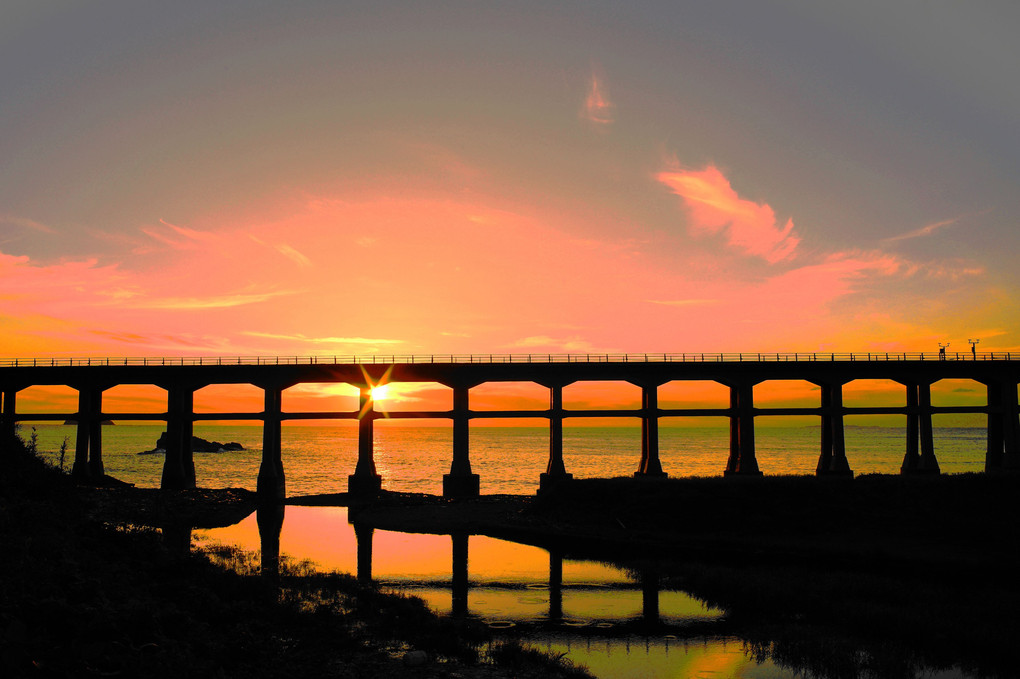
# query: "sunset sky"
{"type": "Point", "coordinates": [239, 178]}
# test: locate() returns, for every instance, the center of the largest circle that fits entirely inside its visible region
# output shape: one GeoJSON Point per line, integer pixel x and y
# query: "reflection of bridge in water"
{"type": "Point", "coordinates": [181, 377]}
{"type": "Point", "coordinates": [270, 520]}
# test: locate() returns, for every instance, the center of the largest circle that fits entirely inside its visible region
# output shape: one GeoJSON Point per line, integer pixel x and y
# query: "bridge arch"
{"type": "Point", "coordinates": [627, 408]}
{"type": "Point", "coordinates": [959, 423]}
{"type": "Point", "coordinates": [686, 407]}
{"type": "Point", "coordinates": [876, 424]}
{"type": "Point", "coordinates": [509, 396]}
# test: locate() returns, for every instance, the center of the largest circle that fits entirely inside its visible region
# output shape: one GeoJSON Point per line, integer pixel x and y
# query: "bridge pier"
{"type": "Point", "coordinates": [460, 482]}
{"type": "Point", "coordinates": [555, 472]}
{"type": "Point", "coordinates": [179, 462]}
{"type": "Point", "coordinates": [742, 461]}
{"type": "Point", "coordinates": [832, 461]}
{"type": "Point", "coordinates": [929, 464]}
{"type": "Point", "coordinates": [996, 428]}
{"type": "Point", "coordinates": [363, 536]}
{"type": "Point", "coordinates": [272, 483]}
{"type": "Point", "coordinates": [650, 466]}
{"type": "Point", "coordinates": [1010, 426]}
{"type": "Point", "coordinates": [8, 413]}
{"type": "Point", "coordinates": [920, 455]}
{"type": "Point", "coordinates": [555, 585]}
{"type": "Point", "coordinates": [269, 518]}
{"type": "Point", "coordinates": [88, 445]}
{"type": "Point", "coordinates": [912, 458]}
{"type": "Point", "coordinates": [460, 573]}
{"type": "Point", "coordinates": [365, 480]}
{"type": "Point", "coordinates": [96, 468]}
{"type": "Point", "coordinates": [650, 597]}
{"type": "Point", "coordinates": [80, 468]}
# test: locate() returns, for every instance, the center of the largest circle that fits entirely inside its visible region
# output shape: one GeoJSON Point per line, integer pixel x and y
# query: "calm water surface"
{"type": "Point", "coordinates": [589, 616]}
{"type": "Point", "coordinates": [318, 459]}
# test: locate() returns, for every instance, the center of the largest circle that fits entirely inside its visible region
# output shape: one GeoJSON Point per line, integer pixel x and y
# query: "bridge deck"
{"type": "Point", "coordinates": [182, 376]}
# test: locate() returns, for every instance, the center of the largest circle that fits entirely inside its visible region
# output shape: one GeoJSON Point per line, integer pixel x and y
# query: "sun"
{"type": "Point", "coordinates": [380, 391]}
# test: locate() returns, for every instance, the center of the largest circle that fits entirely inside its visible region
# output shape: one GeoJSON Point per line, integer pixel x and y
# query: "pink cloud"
{"type": "Point", "coordinates": [26, 285]}
{"type": "Point", "coordinates": [715, 207]}
{"type": "Point", "coordinates": [811, 287]}
{"type": "Point", "coordinates": [597, 110]}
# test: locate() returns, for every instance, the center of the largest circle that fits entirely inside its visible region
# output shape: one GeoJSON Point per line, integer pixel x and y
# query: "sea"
{"type": "Point", "coordinates": [594, 614]}
{"type": "Point", "coordinates": [508, 460]}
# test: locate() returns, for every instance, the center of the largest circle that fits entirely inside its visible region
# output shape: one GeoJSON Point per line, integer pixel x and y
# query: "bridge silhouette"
{"type": "Point", "coordinates": [182, 376]}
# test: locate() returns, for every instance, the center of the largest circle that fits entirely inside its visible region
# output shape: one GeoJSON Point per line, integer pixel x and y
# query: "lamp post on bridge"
{"type": "Point", "coordinates": [942, 350]}
{"type": "Point", "coordinates": [973, 347]}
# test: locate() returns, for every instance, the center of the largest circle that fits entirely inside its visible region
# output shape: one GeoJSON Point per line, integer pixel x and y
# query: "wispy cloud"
{"type": "Point", "coordinates": [569, 344]}
{"type": "Point", "coordinates": [293, 255]}
{"type": "Point", "coordinates": [926, 230]}
{"type": "Point", "coordinates": [26, 223]}
{"type": "Point", "coordinates": [598, 109]}
{"type": "Point", "coordinates": [157, 340]}
{"type": "Point", "coordinates": [122, 337]}
{"type": "Point", "coordinates": [321, 340]}
{"type": "Point", "coordinates": [714, 207]}
{"type": "Point", "coordinates": [683, 302]}
{"type": "Point", "coordinates": [178, 237]}
{"type": "Point", "coordinates": [286, 250]}
{"type": "Point", "coordinates": [953, 269]}
{"type": "Point", "coordinates": [210, 302]}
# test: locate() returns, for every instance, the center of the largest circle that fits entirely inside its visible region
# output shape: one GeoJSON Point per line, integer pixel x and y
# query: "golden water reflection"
{"type": "Point", "coordinates": [323, 535]}
{"type": "Point", "coordinates": [662, 658]}
{"type": "Point", "coordinates": [507, 583]}
{"type": "Point", "coordinates": [490, 578]}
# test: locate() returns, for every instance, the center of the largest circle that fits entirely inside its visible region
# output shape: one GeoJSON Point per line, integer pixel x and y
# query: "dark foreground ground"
{"type": "Point", "coordinates": [878, 576]}
{"type": "Point", "coordinates": [85, 593]}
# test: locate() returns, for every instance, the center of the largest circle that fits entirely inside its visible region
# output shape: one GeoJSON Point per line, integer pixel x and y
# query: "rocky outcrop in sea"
{"type": "Point", "coordinates": [198, 445]}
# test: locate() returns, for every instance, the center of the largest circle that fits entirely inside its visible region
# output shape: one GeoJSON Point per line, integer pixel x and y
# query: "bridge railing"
{"type": "Point", "coordinates": [698, 357]}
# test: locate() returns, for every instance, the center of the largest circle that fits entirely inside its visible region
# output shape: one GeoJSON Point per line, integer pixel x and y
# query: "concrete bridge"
{"type": "Point", "coordinates": [181, 377]}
